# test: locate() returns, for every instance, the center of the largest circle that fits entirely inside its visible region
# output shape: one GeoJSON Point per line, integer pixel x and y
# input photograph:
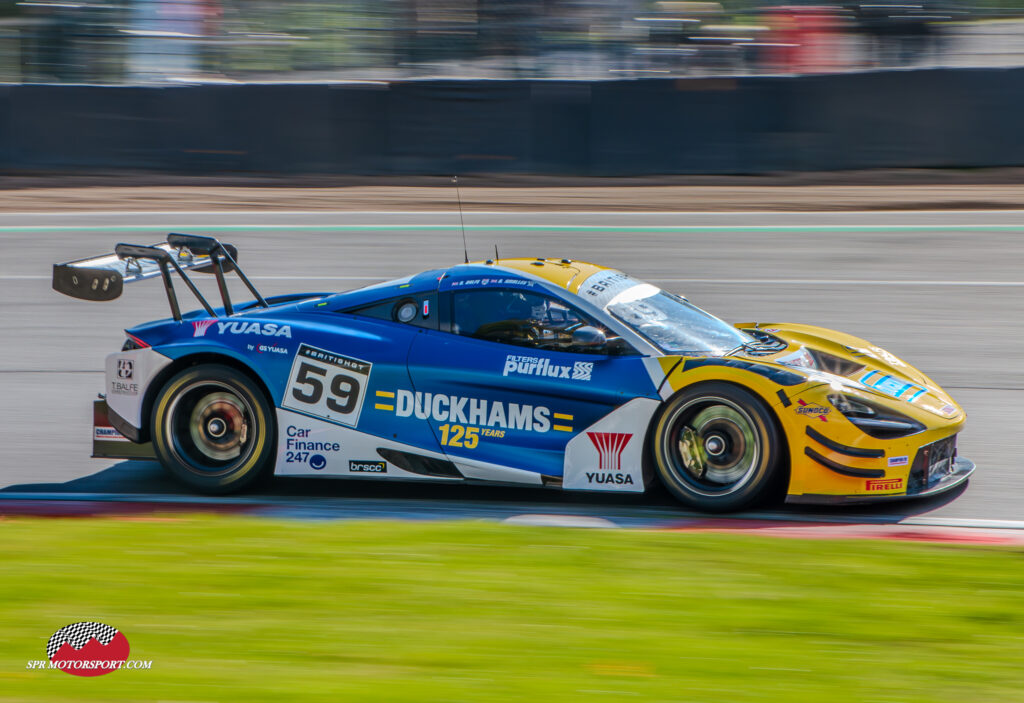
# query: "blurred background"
{"type": "Point", "coordinates": [562, 87]}
{"type": "Point", "coordinates": [157, 41]}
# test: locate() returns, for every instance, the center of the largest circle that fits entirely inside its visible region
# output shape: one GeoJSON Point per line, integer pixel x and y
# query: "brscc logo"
{"type": "Point", "coordinates": [87, 649]}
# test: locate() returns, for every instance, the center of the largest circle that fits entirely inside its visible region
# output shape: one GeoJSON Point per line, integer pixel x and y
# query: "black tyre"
{"type": "Point", "coordinates": [213, 428]}
{"type": "Point", "coordinates": [717, 448]}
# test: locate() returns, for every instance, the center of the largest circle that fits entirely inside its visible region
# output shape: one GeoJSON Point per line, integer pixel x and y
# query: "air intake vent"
{"type": "Point", "coordinates": [766, 344]}
{"type": "Point", "coordinates": [422, 465]}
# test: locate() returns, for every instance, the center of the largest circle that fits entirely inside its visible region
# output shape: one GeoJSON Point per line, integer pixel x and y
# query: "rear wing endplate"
{"type": "Point", "coordinates": [102, 278]}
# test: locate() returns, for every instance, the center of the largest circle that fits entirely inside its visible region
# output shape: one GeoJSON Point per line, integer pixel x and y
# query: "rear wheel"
{"type": "Point", "coordinates": [716, 448]}
{"type": "Point", "coordinates": [213, 428]}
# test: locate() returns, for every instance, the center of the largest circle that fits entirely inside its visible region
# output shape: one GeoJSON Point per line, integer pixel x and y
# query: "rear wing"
{"type": "Point", "coordinates": [103, 277]}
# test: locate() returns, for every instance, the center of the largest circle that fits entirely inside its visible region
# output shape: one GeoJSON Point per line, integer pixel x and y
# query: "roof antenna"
{"type": "Point", "coordinates": [496, 257]}
{"type": "Point", "coordinates": [465, 251]}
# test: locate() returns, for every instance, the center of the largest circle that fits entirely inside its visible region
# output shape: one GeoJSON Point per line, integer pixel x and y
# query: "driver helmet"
{"type": "Point", "coordinates": [538, 308]}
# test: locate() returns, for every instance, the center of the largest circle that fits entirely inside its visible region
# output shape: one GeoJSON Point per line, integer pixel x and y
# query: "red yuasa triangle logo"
{"type": "Point", "coordinates": [610, 446]}
{"type": "Point", "coordinates": [87, 649]}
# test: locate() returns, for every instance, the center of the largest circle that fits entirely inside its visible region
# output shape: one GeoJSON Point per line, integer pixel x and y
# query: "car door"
{"type": "Point", "coordinates": [502, 384]}
{"type": "Point", "coordinates": [337, 410]}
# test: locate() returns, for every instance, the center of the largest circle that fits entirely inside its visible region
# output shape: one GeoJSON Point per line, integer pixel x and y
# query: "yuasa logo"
{"type": "Point", "coordinates": [536, 366]}
{"type": "Point", "coordinates": [266, 329]}
{"type": "Point", "coordinates": [610, 446]}
{"type": "Point", "coordinates": [87, 649]}
{"type": "Point", "coordinates": [199, 327]}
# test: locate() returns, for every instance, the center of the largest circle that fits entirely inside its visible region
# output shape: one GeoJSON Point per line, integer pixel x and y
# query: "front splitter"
{"type": "Point", "coordinates": [961, 472]}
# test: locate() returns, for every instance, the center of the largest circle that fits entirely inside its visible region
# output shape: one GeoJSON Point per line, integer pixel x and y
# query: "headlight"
{"type": "Point", "coordinates": [875, 420]}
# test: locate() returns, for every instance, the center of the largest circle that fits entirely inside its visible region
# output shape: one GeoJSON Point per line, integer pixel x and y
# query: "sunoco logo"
{"type": "Point", "coordinates": [813, 410]}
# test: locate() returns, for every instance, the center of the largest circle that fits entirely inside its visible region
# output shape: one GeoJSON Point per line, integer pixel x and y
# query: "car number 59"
{"type": "Point", "coordinates": [327, 385]}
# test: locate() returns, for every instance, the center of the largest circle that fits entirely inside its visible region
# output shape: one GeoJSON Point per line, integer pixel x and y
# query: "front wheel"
{"type": "Point", "coordinates": [213, 428]}
{"type": "Point", "coordinates": [716, 448]}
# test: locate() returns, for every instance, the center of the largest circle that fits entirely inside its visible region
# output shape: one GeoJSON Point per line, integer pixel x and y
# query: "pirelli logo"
{"type": "Point", "coordinates": [883, 484]}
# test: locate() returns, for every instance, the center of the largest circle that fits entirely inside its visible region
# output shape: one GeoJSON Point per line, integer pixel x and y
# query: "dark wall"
{"type": "Point", "coordinates": [928, 118]}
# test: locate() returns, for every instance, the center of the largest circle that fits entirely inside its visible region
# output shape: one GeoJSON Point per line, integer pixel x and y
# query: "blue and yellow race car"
{"type": "Point", "coordinates": [538, 372]}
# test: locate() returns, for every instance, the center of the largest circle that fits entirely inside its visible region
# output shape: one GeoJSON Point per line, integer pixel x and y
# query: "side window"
{"type": "Point", "coordinates": [527, 319]}
{"type": "Point", "coordinates": [418, 310]}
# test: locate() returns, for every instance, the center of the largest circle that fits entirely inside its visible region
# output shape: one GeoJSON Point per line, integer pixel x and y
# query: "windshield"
{"type": "Point", "coordinates": [669, 322]}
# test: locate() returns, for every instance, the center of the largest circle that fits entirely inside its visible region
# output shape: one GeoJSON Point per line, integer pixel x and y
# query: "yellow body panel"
{"type": "Point", "coordinates": [805, 404]}
{"type": "Point", "coordinates": [561, 272]}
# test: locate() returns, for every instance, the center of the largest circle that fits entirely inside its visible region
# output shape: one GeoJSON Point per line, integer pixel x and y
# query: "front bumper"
{"type": "Point", "coordinates": [959, 471]}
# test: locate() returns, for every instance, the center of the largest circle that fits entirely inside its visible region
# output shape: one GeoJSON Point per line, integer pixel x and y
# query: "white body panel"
{"type": "Point", "coordinates": [307, 446]}
{"type": "Point", "coordinates": [128, 375]}
{"type": "Point", "coordinates": [608, 455]}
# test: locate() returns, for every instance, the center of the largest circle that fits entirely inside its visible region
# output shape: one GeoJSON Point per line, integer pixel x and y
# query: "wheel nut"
{"type": "Point", "coordinates": [714, 446]}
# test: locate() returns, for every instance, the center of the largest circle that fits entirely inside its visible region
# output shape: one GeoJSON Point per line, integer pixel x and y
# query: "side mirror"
{"type": "Point", "coordinates": [588, 337]}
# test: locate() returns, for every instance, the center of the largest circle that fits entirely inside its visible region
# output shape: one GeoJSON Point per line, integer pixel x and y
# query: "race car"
{"type": "Point", "coordinates": [537, 372]}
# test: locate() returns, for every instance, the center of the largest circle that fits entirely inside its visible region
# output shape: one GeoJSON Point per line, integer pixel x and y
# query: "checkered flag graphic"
{"type": "Point", "coordinates": [78, 634]}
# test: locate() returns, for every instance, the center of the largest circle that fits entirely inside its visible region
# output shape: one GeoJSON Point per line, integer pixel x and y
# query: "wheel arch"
{"type": "Point", "coordinates": [188, 361]}
{"type": "Point", "coordinates": [784, 451]}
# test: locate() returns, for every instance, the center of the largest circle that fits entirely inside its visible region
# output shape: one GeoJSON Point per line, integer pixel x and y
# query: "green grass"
{"type": "Point", "coordinates": [251, 610]}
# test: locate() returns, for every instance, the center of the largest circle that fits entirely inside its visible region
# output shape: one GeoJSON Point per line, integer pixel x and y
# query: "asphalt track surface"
{"type": "Point", "coordinates": [940, 289]}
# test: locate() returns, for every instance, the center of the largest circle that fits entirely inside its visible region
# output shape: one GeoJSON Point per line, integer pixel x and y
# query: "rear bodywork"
{"type": "Point", "coordinates": [368, 397]}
